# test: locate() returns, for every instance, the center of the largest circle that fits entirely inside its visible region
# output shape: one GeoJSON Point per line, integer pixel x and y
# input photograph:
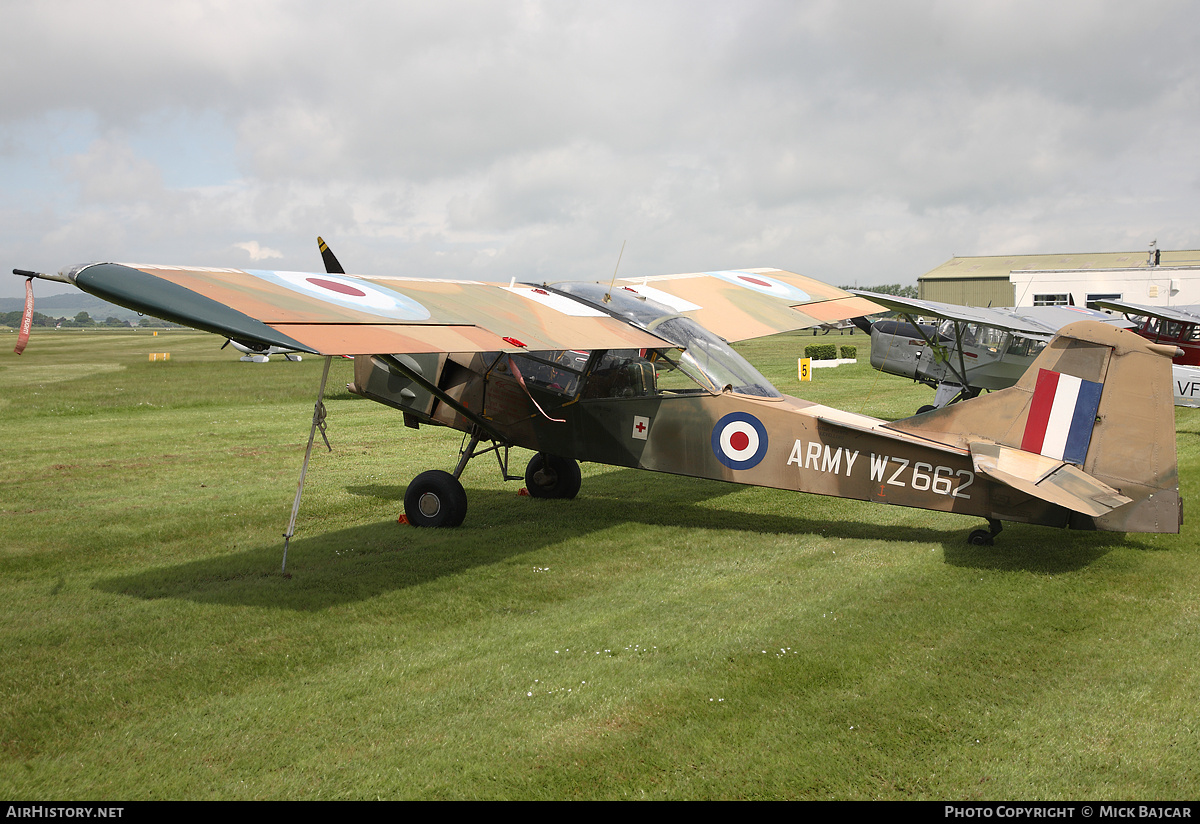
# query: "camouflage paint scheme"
{"type": "Point", "coordinates": [593, 372]}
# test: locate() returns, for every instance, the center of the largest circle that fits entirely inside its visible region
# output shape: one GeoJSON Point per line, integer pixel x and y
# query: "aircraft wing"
{"type": "Point", "coordinates": [1030, 321]}
{"type": "Point", "coordinates": [750, 303]}
{"type": "Point", "coordinates": [1056, 317]}
{"type": "Point", "coordinates": [1178, 314]}
{"type": "Point", "coordinates": [338, 314]}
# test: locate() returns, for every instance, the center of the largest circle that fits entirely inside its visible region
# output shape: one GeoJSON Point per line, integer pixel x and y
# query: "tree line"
{"type": "Point", "coordinates": [82, 320]}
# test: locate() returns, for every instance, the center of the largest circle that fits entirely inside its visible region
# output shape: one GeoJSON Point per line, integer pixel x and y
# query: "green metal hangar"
{"type": "Point", "coordinates": [1155, 278]}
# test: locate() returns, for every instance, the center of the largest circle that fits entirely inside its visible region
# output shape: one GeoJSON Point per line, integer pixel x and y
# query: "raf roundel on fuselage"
{"type": "Point", "coordinates": [739, 440]}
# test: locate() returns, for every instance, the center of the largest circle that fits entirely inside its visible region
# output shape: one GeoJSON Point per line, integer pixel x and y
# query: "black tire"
{"type": "Point", "coordinates": [549, 476]}
{"type": "Point", "coordinates": [435, 498]}
{"type": "Point", "coordinates": [926, 408]}
{"type": "Point", "coordinates": [981, 537]}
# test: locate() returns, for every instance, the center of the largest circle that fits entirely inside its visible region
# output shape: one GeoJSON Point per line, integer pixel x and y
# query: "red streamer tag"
{"type": "Point", "coordinates": [26, 319]}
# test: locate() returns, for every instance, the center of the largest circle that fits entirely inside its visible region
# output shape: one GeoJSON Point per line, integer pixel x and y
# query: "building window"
{"type": "Point", "coordinates": [1095, 296]}
{"type": "Point", "coordinates": [1052, 300]}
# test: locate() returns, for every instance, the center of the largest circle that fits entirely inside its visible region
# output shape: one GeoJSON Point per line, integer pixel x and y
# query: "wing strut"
{"type": "Point", "coordinates": [962, 376]}
{"type": "Point", "coordinates": [318, 422]}
{"type": "Point", "coordinates": [416, 377]}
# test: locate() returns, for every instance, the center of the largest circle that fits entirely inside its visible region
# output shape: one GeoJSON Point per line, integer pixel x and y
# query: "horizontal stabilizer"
{"type": "Point", "coordinates": [1047, 478]}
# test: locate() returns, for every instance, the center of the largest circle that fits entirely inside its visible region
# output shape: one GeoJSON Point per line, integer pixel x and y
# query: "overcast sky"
{"type": "Point", "coordinates": [856, 142]}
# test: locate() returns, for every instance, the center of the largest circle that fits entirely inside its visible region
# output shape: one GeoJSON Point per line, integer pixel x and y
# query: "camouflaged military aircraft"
{"type": "Point", "coordinates": [638, 373]}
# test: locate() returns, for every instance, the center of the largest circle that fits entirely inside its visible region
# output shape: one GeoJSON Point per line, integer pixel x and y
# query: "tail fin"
{"type": "Point", "coordinates": [1098, 403]}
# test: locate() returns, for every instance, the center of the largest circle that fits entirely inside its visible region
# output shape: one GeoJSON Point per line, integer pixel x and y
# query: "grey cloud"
{"type": "Point", "coordinates": [483, 139]}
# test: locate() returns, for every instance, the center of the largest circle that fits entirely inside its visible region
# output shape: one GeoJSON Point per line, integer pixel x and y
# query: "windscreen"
{"type": "Point", "coordinates": [705, 357]}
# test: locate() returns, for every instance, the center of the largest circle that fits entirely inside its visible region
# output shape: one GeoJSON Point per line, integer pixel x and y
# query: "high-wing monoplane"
{"type": "Point", "coordinates": [969, 349]}
{"type": "Point", "coordinates": [639, 373]}
{"type": "Point", "coordinates": [1174, 326]}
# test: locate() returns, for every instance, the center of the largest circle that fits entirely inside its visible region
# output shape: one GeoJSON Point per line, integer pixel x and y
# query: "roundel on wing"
{"type": "Point", "coordinates": [349, 292]}
{"type": "Point", "coordinates": [764, 284]}
{"type": "Point", "coordinates": [739, 440]}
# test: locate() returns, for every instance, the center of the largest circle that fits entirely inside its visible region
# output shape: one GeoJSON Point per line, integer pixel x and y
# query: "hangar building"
{"type": "Point", "coordinates": [1155, 278]}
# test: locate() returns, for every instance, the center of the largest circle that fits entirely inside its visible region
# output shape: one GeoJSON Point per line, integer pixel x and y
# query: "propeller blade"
{"type": "Point", "coordinates": [332, 266]}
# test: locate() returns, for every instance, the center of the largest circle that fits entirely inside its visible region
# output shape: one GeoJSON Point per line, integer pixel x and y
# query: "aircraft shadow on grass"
{"type": "Point", "coordinates": [351, 565]}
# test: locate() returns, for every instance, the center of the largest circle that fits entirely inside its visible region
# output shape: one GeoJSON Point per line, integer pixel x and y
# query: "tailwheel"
{"type": "Point", "coordinates": [986, 537]}
{"type": "Point", "coordinates": [549, 476]}
{"type": "Point", "coordinates": [435, 498]}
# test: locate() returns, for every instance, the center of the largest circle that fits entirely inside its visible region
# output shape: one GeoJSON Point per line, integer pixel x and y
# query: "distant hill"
{"type": "Point", "coordinates": [70, 305]}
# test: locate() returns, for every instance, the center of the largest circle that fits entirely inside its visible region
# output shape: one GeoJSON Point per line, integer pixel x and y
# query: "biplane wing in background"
{"type": "Point", "coordinates": [1172, 326]}
{"type": "Point", "coordinates": [969, 349]}
{"type": "Point", "coordinates": [638, 373]}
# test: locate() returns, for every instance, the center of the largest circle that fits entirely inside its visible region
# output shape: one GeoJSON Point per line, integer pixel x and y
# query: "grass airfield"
{"type": "Point", "coordinates": [658, 637]}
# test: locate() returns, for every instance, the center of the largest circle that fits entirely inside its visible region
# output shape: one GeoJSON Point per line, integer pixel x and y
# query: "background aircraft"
{"type": "Point", "coordinates": [969, 349]}
{"type": "Point", "coordinates": [638, 373]}
{"type": "Point", "coordinates": [261, 354]}
{"type": "Point", "coordinates": [1173, 325]}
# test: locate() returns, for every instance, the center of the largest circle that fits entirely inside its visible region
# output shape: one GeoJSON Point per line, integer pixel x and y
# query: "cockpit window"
{"type": "Point", "coordinates": [558, 372]}
{"type": "Point", "coordinates": [622, 373]}
{"type": "Point", "coordinates": [1025, 347]}
{"type": "Point", "coordinates": [706, 359]}
{"type": "Point", "coordinates": [723, 368]}
{"type": "Point", "coordinates": [975, 334]}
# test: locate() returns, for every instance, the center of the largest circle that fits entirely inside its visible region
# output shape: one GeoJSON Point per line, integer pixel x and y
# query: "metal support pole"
{"type": "Point", "coordinates": [317, 421]}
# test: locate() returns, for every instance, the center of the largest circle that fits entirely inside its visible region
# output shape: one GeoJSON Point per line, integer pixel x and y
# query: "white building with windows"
{"type": "Point", "coordinates": [1152, 286]}
{"type": "Point", "coordinates": [1154, 278]}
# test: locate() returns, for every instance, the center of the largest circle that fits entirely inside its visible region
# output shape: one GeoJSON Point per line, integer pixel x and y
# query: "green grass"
{"type": "Point", "coordinates": [658, 637]}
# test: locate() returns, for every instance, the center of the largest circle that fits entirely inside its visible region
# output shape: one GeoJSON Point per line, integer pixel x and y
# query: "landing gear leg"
{"type": "Point", "coordinates": [436, 498]}
{"type": "Point", "coordinates": [986, 537]}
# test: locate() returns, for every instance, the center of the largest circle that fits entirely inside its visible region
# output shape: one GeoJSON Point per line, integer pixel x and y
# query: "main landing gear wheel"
{"type": "Point", "coordinates": [926, 408]}
{"type": "Point", "coordinates": [549, 476]}
{"type": "Point", "coordinates": [435, 498]}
